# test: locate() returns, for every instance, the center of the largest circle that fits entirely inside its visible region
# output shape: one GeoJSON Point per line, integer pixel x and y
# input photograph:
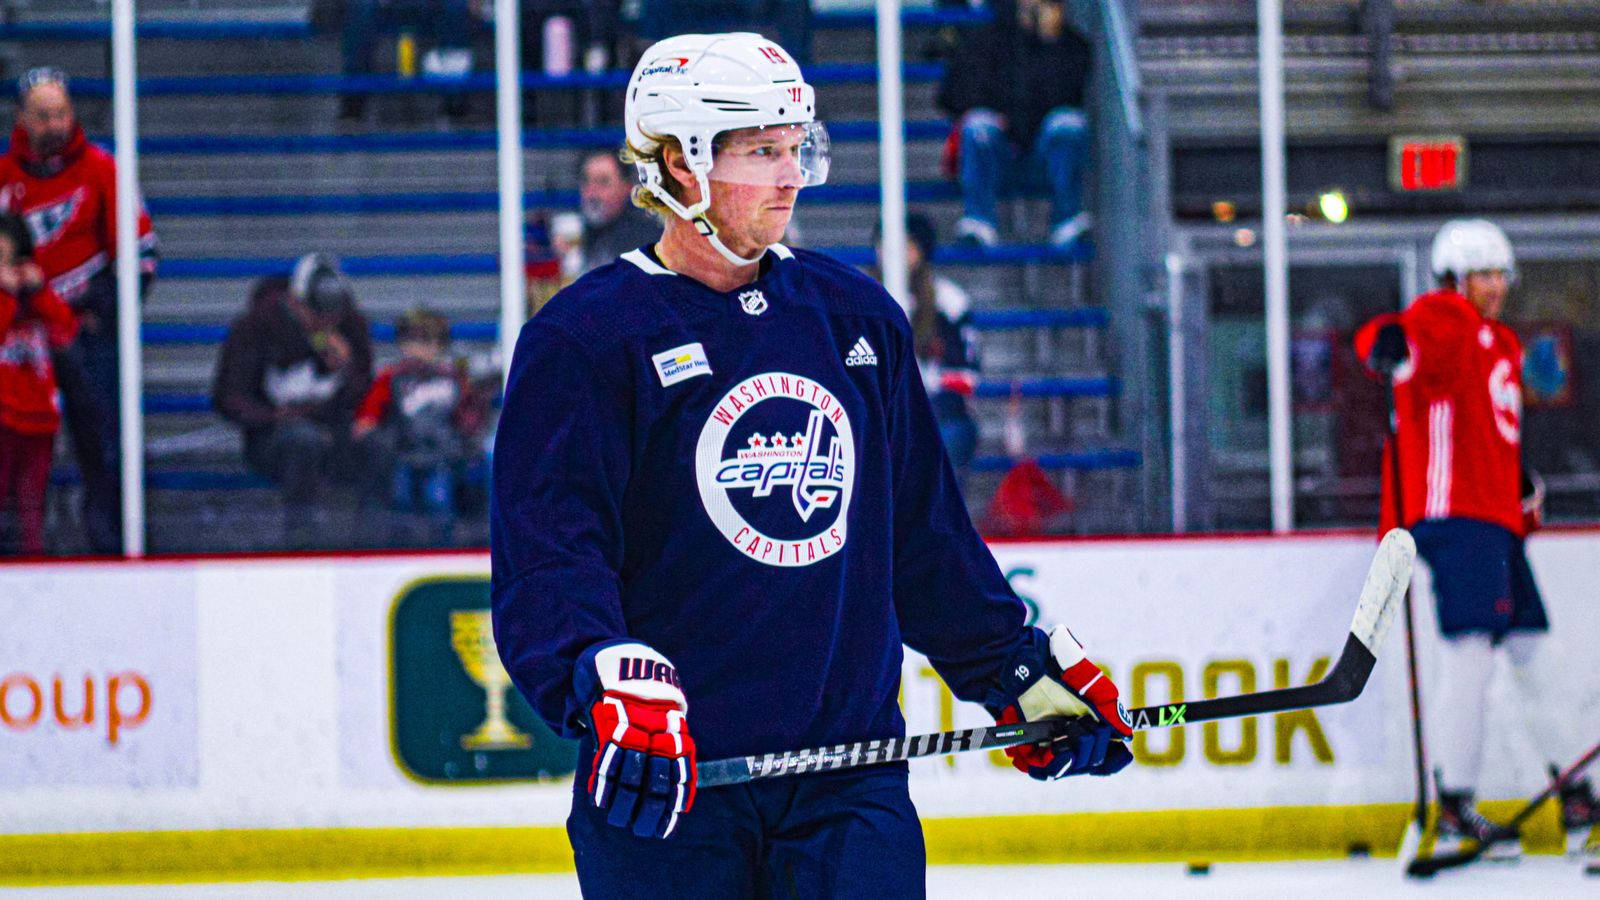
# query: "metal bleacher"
{"type": "Point", "coordinates": [245, 166]}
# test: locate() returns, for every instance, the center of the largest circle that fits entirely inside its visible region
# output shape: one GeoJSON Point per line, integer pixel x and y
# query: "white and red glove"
{"type": "Point", "coordinates": [1050, 677]}
{"type": "Point", "coordinates": [643, 772]}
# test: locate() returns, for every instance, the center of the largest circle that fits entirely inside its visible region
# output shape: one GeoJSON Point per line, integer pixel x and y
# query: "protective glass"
{"type": "Point", "coordinates": [772, 156]}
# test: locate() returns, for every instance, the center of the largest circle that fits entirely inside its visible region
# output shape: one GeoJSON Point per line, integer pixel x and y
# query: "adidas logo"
{"type": "Point", "coordinates": [861, 354]}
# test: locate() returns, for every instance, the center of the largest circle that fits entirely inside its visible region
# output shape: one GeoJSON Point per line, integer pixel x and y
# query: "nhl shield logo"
{"type": "Point", "coordinates": [775, 464]}
{"type": "Point", "coordinates": [753, 302]}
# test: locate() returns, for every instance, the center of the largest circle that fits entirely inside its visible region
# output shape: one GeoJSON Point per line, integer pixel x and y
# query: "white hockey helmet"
{"type": "Point", "coordinates": [693, 87]}
{"type": "Point", "coordinates": [1471, 245]}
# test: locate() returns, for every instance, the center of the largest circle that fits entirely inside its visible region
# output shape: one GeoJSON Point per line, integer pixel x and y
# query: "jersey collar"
{"type": "Point", "coordinates": [645, 259]}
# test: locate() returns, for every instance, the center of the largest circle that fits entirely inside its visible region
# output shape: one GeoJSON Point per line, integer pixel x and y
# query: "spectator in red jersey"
{"type": "Point", "coordinates": [33, 321]}
{"type": "Point", "coordinates": [1461, 489]}
{"type": "Point", "coordinates": [64, 188]}
{"type": "Point", "coordinates": [292, 371]}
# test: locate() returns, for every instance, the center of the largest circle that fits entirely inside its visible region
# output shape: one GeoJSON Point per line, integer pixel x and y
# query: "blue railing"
{"type": "Point", "coordinates": [1084, 461]}
{"type": "Point", "coordinates": [1054, 386]}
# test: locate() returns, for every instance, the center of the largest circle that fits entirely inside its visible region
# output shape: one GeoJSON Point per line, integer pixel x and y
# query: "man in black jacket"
{"type": "Point", "coordinates": [293, 370]}
{"type": "Point", "coordinates": [1016, 90]}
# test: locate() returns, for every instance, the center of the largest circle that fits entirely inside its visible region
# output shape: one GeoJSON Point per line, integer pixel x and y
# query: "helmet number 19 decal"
{"type": "Point", "coordinates": [775, 465]}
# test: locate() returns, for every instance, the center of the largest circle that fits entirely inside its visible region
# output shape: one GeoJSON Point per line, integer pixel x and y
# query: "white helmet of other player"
{"type": "Point", "coordinates": [1463, 246]}
{"type": "Point", "coordinates": [694, 87]}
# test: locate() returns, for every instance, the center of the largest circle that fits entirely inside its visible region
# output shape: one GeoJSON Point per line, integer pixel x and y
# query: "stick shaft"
{"type": "Point", "coordinates": [1344, 682]}
{"type": "Point", "coordinates": [1419, 812]}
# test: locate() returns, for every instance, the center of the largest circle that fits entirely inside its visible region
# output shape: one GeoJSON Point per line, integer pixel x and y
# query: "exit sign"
{"type": "Point", "coordinates": [1436, 163]}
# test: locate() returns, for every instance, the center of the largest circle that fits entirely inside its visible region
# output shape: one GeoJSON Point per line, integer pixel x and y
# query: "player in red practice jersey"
{"type": "Point", "coordinates": [1457, 376]}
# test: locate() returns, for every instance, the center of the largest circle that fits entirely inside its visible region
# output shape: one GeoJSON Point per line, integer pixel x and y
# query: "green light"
{"type": "Point", "coordinates": [1333, 206]}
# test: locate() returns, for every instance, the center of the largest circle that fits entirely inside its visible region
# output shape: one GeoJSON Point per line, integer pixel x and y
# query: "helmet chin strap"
{"type": "Point", "coordinates": [696, 213]}
{"type": "Point", "coordinates": [709, 232]}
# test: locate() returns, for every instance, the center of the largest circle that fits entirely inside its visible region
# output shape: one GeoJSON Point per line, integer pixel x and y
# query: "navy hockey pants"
{"type": "Point", "coordinates": [1482, 582]}
{"type": "Point", "coordinates": [846, 834]}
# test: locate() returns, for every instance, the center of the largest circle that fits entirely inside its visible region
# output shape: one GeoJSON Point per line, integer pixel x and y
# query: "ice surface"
{"type": "Point", "coordinates": [1546, 877]}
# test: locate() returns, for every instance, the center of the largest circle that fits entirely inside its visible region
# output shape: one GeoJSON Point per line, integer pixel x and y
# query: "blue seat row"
{"type": "Point", "coordinates": [479, 139]}
{"type": "Point", "coordinates": [184, 334]}
{"type": "Point", "coordinates": [474, 201]}
{"type": "Point", "coordinates": [283, 31]}
{"type": "Point", "coordinates": [310, 85]}
{"type": "Point", "coordinates": [216, 480]}
{"type": "Point", "coordinates": [438, 264]}
{"type": "Point", "coordinates": [1058, 386]}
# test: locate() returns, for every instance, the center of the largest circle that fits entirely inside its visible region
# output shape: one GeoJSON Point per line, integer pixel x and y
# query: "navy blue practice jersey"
{"type": "Point", "coordinates": [749, 481]}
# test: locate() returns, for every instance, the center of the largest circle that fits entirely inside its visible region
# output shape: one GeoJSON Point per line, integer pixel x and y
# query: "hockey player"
{"type": "Point", "coordinates": [720, 507]}
{"type": "Point", "coordinates": [1456, 371]}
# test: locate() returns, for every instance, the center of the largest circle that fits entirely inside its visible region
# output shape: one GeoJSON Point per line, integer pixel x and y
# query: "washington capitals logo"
{"type": "Point", "coordinates": [815, 477]}
{"type": "Point", "coordinates": [47, 222]}
{"type": "Point", "coordinates": [780, 492]}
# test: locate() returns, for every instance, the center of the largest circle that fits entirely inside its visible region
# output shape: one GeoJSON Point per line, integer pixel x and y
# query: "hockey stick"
{"type": "Point", "coordinates": [1386, 581]}
{"type": "Point", "coordinates": [1412, 839]}
{"type": "Point", "coordinates": [1427, 866]}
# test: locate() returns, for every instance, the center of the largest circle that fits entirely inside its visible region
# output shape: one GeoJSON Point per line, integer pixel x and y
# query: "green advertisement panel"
{"type": "Point", "coordinates": [456, 716]}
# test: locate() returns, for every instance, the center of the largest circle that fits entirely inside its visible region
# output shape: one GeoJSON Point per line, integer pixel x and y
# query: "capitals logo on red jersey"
{"type": "Point", "coordinates": [775, 465]}
{"type": "Point", "coordinates": [47, 222]}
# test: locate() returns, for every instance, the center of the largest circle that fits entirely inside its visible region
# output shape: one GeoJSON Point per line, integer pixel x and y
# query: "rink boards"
{"type": "Point", "coordinates": [238, 718]}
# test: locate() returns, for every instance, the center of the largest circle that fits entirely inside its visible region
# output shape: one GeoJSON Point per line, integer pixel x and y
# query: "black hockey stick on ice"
{"type": "Point", "coordinates": [1386, 581]}
{"type": "Point", "coordinates": [1412, 839]}
{"type": "Point", "coordinates": [1427, 866]}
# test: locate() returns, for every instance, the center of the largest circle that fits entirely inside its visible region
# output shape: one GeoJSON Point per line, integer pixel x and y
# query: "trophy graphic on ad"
{"type": "Point", "coordinates": [472, 636]}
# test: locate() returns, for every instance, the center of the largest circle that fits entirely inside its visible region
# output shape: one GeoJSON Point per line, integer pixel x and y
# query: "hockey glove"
{"type": "Point", "coordinates": [643, 773]}
{"type": "Point", "coordinates": [1389, 350]}
{"type": "Point", "coordinates": [1051, 678]}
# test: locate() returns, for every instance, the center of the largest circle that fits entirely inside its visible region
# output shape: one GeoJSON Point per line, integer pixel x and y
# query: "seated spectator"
{"type": "Point", "coordinates": [612, 225]}
{"type": "Point", "coordinates": [34, 320]}
{"type": "Point", "coordinates": [937, 308]}
{"type": "Point", "coordinates": [1015, 89]}
{"type": "Point", "coordinates": [293, 369]}
{"type": "Point", "coordinates": [446, 25]}
{"type": "Point", "coordinates": [424, 414]}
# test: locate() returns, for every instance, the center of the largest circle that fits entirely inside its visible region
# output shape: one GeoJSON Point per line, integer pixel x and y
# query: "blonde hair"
{"type": "Point", "coordinates": [631, 155]}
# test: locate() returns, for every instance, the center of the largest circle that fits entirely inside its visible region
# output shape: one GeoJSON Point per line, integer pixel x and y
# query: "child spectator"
{"type": "Point", "coordinates": [33, 321]}
{"type": "Point", "coordinates": [424, 405]}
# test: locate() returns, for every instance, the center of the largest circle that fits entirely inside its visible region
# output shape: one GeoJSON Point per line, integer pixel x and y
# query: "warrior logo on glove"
{"type": "Point", "coordinates": [643, 771]}
{"type": "Point", "coordinates": [1050, 677]}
